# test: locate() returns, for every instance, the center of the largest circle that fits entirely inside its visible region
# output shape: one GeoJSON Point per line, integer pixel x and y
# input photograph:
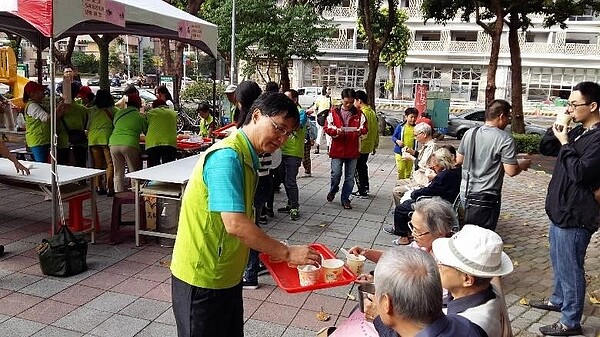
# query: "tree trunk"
{"type": "Point", "coordinates": [490, 89]}
{"type": "Point", "coordinates": [518, 122]}
{"type": "Point", "coordinates": [393, 81]}
{"type": "Point", "coordinates": [103, 43]}
{"type": "Point", "coordinates": [284, 81]}
{"type": "Point", "coordinates": [371, 77]}
{"type": "Point", "coordinates": [65, 58]}
{"type": "Point", "coordinates": [168, 64]}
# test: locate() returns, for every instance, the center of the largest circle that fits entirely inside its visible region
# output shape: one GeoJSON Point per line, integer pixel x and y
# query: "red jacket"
{"type": "Point", "coordinates": [346, 145]}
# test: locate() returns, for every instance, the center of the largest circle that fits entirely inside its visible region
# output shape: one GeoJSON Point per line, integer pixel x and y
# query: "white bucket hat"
{"type": "Point", "coordinates": [230, 88]}
{"type": "Point", "coordinates": [474, 250]}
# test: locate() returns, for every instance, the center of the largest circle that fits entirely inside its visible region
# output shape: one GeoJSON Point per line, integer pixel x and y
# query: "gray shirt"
{"type": "Point", "coordinates": [493, 148]}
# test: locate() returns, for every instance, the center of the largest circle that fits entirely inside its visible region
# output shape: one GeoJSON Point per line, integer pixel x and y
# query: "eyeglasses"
{"type": "Point", "coordinates": [280, 130]}
{"type": "Point", "coordinates": [415, 234]}
{"type": "Point", "coordinates": [571, 105]}
{"type": "Point", "coordinates": [416, 134]}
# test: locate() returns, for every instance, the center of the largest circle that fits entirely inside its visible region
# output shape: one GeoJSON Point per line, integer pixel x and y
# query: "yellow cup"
{"type": "Point", "coordinates": [356, 263]}
{"type": "Point", "coordinates": [333, 269]}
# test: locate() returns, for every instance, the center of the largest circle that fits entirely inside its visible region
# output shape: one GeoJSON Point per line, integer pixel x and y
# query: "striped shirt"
{"type": "Point", "coordinates": [265, 164]}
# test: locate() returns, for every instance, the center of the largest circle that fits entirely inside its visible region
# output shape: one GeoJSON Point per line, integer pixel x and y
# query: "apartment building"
{"type": "Point", "coordinates": [455, 56]}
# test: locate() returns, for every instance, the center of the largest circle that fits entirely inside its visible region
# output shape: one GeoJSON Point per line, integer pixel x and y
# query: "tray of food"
{"type": "Point", "coordinates": [332, 272]}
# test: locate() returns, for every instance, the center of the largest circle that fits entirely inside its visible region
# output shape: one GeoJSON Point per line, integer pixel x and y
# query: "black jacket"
{"type": "Point", "coordinates": [445, 184]}
{"type": "Point", "coordinates": [570, 201]}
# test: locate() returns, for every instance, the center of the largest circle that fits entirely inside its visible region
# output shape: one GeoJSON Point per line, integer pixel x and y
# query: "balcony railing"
{"type": "Point", "coordinates": [335, 43]}
{"type": "Point", "coordinates": [337, 11]}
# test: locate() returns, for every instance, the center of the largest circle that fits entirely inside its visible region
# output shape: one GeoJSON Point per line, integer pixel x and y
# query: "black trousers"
{"type": "Point", "coordinates": [402, 214]}
{"type": "Point", "coordinates": [161, 154]}
{"type": "Point", "coordinates": [201, 312]}
{"type": "Point", "coordinates": [362, 173]}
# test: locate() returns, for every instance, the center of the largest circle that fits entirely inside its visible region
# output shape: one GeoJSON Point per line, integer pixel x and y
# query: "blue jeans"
{"type": "Point", "coordinates": [263, 190]}
{"type": "Point", "coordinates": [40, 153]}
{"type": "Point", "coordinates": [289, 174]}
{"type": "Point", "coordinates": [336, 175]}
{"type": "Point", "coordinates": [567, 253]}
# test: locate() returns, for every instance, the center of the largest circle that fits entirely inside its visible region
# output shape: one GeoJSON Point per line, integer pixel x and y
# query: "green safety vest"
{"type": "Point", "coordinates": [204, 125]}
{"type": "Point", "coordinates": [37, 132]}
{"type": "Point", "coordinates": [205, 255]}
{"type": "Point", "coordinates": [294, 145]}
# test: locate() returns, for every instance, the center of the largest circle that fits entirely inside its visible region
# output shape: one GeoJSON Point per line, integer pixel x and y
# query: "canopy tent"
{"type": "Point", "coordinates": [42, 22]}
{"type": "Point", "coordinates": [37, 20]}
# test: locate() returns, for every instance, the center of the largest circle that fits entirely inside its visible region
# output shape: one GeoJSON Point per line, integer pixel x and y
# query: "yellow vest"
{"type": "Point", "coordinates": [205, 255]}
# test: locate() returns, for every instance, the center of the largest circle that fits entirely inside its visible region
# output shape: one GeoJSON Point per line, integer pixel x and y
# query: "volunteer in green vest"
{"type": "Point", "coordinates": [216, 224]}
{"type": "Point", "coordinates": [230, 93]}
{"type": "Point", "coordinates": [367, 145]}
{"type": "Point", "coordinates": [292, 153]}
{"type": "Point", "coordinates": [37, 134]}
{"type": "Point", "coordinates": [100, 127]}
{"type": "Point", "coordinates": [74, 122]}
{"type": "Point", "coordinates": [161, 138]}
{"type": "Point", "coordinates": [207, 121]}
{"type": "Point", "coordinates": [124, 141]}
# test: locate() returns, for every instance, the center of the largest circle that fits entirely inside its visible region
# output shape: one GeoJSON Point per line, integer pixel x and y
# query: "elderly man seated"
{"type": "Point", "coordinates": [467, 262]}
{"type": "Point", "coordinates": [426, 148]}
{"type": "Point", "coordinates": [445, 184]}
{"type": "Point", "coordinates": [408, 296]}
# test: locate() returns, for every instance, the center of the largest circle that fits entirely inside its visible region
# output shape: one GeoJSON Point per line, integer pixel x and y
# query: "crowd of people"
{"type": "Point", "coordinates": [443, 279]}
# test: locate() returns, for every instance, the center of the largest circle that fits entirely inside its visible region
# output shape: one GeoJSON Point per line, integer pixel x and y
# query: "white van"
{"type": "Point", "coordinates": [308, 95]}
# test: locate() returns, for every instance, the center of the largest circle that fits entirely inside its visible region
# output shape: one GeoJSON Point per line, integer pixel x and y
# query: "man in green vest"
{"type": "Point", "coordinates": [367, 145]}
{"type": "Point", "coordinates": [216, 224]}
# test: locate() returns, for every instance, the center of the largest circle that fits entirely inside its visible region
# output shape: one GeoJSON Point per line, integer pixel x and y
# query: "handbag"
{"type": "Point", "coordinates": [64, 254]}
{"type": "Point", "coordinates": [76, 136]}
{"type": "Point", "coordinates": [322, 116]}
{"type": "Point", "coordinates": [481, 208]}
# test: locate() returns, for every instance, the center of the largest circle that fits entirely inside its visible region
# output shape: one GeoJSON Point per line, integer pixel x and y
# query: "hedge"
{"type": "Point", "coordinates": [527, 143]}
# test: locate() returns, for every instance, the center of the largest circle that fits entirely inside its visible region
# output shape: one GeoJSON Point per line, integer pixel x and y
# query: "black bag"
{"type": "Point", "coordinates": [76, 137]}
{"type": "Point", "coordinates": [64, 254]}
{"type": "Point", "coordinates": [322, 116]}
{"type": "Point", "coordinates": [482, 209]}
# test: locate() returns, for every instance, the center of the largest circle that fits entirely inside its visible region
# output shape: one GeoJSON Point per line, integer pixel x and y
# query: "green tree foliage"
{"type": "Point", "coordinates": [149, 67]}
{"type": "Point", "coordinates": [202, 90]}
{"type": "Point", "coordinates": [386, 35]}
{"type": "Point", "coordinates": [114, 60]}
{"type": "Point", "coordinates": [394, 52]}
{"type": "Point", "coordinates": [268, 32]}
{"type": "Point", "coordinates": [86, 63]}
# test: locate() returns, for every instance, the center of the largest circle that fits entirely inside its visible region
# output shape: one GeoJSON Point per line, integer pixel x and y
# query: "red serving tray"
{"type": "Point", "coordinates": [287, 277]}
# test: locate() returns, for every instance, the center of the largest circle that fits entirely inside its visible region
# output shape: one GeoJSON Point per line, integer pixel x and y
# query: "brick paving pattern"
{"type": "Point", "coordinates": [126, 291]}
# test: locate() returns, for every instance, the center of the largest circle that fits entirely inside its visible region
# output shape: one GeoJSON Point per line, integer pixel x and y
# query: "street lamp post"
{"type": "Point", "coordinates": [233, 72]}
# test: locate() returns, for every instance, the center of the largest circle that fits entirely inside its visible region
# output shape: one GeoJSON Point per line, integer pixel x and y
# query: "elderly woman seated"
{"type": "Point", "coordinates": [445, 184]}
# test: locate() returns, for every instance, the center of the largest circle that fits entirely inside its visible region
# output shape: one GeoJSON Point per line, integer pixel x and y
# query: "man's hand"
{"type": "Point", "coordinates": [560, 132]}
{"type": "Point", "coordinates": [21, 169]}
{"type": "Point", "coordinates": [400, 143]}
{"type": "Point", "coordinates": [300, 255]}
{"type": "Point", "coordinates": [364, 278]}
{"type": "Point", "coordinates": [524, 164]}
{"type": "Point", "coordinates": [370, 308]}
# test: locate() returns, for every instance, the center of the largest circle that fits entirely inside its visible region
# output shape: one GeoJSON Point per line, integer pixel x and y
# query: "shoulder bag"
{"type": "Point", "coordinates": [481, 208]}
{"type": "Point", "coordinates": [64, 254]}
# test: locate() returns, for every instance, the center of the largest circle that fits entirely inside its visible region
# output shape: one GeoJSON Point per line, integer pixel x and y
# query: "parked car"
{"type": "Point", "coordinates": [94, 81]}
{"type": "Point", "coordinates": [308, 95]}
{"type": "Point", "coordinates": [459, 124]}
{"type": "Point", "coordinates": [145, 95]}
{"type": "Point", "coordinates": [391, 122]}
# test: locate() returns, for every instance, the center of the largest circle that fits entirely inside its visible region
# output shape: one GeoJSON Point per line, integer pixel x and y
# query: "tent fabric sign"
{"type": "Point", "coordinates": [104, 10]}
{"type": "Point", "coordinates": [115, 13]}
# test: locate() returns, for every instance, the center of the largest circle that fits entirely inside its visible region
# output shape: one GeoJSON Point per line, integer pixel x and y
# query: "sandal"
{"type": "Point", "coordinates": [346, 205]}
{"type": "Point", "coordinates": [402, 241]}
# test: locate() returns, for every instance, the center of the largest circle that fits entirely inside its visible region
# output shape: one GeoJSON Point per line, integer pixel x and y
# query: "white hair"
{"type": "Point", "coordinates": [423, 128]}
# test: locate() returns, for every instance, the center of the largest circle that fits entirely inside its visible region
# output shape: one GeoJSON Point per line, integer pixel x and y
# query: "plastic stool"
{"type": "Point", "coordinates": [120, 199]}
{"type": "Point", "coordinates": [76, 221]}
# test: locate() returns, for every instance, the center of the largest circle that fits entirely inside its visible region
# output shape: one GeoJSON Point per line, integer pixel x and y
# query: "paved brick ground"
{"type": "Point", "coordinates": [126, 291]}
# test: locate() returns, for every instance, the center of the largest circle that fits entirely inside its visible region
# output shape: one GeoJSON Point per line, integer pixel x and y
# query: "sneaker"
{"type": "Point", "coordinates": [559, 329]}
{"type": "Point", "coordinates": [250, 285]}
{"type": "Point", "coordinates": [262, 220]}
{"type": "Point", "coordinates": [262, 269]}
{"type": "Point", "coordinates": [360, 195]}
{"type": "Point", "coordinates": [307, 175]}
{"type": "Point", "coordinates": [285, 209]}
{"type": "Point", "coordinates": [330, 196]}
{"type": "Point", "coordinates": [544, 304]}
{"type": "Point", "coordinates": [270, 212]}
{"type": "Point", "coordinates": [294, 214]}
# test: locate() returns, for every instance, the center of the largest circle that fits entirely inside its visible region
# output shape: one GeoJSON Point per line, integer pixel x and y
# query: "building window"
{"type": "Point", "coordinates": [546, 84]}
{"type": "Point", "coordinates": [336, 74]}
{"type": "Point", "coordinates": [430, 75]}
{"type": "Point", "coordinates": [465, 83]}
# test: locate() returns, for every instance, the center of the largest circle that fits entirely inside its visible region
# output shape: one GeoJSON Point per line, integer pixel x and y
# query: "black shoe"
{"type": "Point", "coordinates": [544, 304]}
{"type": "Point", "coordinates": [360, 195]}
{"type": "Point", "coordinates": [262, 269]}
{"type": "Point", "coordinates": [390, 230]}
{"type": "Point", "coordinates": [1, 250]}
{"type": "Point", "coordinates": [110, 193]}
{"type": "Point", "coordinates": [285, 209]}
{"type": "Point", "coordinates": [250, 285]}
{"type": "Point", "coordinates": [558, 329]}
{"type": "Point", "coordinates": [330, 196]}
{"type": "Point", "coordinates": [262, 220]}
{"type": "Point", "coordinates": [100, 191]}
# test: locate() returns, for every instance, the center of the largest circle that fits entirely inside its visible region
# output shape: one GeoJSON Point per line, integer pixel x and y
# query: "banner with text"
{"type": "Point", "coordinates": [421, 98]}
{"type": "Point", "coordinates": [104, 10]}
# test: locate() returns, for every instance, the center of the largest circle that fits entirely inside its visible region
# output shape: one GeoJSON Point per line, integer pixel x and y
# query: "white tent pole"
{"type": "Point", "coordinates": [53, 136]}
{"type": "Point", "coordinates": [233, 72]}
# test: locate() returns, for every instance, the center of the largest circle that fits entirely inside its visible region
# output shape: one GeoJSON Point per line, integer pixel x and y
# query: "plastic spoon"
{"type": "Point", "coordinates": [347, 253]}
